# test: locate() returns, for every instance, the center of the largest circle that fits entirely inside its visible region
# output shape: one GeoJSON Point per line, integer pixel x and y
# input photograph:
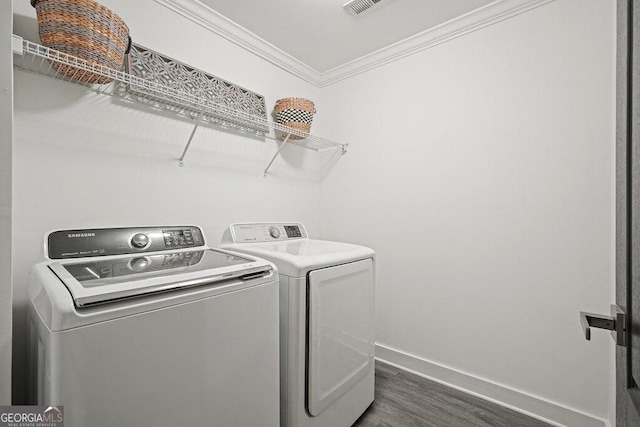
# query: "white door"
{"type": "Point", "coordinates": [341, 341]}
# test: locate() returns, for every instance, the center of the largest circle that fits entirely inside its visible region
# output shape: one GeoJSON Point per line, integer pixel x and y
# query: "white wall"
{"type": "Point", "coordinates": [6, 130]}
{"type": "Point", "coordinates": [481, 171]}
{"type": "Point", "coordinates": [81, 160]}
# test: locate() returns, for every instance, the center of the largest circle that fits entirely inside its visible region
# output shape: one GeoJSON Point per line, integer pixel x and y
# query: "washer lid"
{"type": "Point", "coordinates": [112, 278]}
{"type": "Point", "coordinates": [295, 258]}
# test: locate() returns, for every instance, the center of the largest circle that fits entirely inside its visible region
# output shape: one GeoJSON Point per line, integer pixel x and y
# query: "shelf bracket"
{"type": "Point", "coordinates": [17, 45]}
{"type": "Point", "coordinates": [193, 132]}
{"type": "Point", "coordinates": [276, 155]}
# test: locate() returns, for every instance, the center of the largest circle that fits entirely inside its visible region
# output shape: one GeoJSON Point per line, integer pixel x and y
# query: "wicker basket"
{"type": "Point", "coordinates": [85, 29]}
{"type": "Point", "coordinates": [296, 113]}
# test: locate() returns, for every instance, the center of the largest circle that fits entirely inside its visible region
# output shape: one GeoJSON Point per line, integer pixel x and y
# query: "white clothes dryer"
{"type": "Point", "coordinates": [326, 321]}
{"type": "Point", "coordinates": [147, 326]}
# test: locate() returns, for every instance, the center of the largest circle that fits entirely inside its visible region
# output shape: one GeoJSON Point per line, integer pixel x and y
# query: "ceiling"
{"type": "Point", "coordinates": [323, 36]}
{"type": "Point", "coordinates": [317, 41]}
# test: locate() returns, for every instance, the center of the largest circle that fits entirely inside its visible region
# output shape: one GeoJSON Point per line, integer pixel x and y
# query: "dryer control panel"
{"type": "Point", "coordinates": [266, 232]}
{"type": "Point", "coordinates": [117, 241]}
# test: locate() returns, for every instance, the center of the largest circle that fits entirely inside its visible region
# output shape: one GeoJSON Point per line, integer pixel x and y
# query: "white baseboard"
{"type": "Point", "coordinates": [536, 407]}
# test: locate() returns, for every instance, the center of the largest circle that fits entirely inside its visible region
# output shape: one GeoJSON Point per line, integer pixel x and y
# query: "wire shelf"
{"type": "Point", "coordinates": [42, 60]}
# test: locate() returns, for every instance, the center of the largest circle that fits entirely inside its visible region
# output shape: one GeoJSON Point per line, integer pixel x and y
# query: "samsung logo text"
{"type": "Point", "coordinates": [75, 235]}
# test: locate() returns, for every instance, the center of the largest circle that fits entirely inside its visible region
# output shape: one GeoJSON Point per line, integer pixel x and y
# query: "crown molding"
{"type": "Point", "coordinates": [482, 17]}
{"type": "Point", "coordinates": [219, 24]}
{"type": "Point", "coordinates": [477, 19]}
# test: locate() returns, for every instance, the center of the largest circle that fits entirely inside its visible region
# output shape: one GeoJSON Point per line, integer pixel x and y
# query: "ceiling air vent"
{"type": "Point", "coordinates": [356, 7]}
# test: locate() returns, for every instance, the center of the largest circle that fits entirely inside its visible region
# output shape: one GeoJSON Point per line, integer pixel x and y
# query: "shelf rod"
{"type": "Point", "coordinates": [193, 132]}
{"type": "Point", "coordinates": [322, 150]}
{"type": "Point", "coordinates": [276, 155]}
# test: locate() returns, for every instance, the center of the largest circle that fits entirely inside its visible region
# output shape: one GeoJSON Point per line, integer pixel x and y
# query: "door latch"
{"type": "Point", "coordinates": [616, 323]}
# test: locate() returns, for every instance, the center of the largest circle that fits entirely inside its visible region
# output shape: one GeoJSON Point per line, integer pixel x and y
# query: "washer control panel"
{"type": "Point", "coordinates": [182, 238]}
{"type": "Point", "coordinates": [117, 241]}
{"type": "Point", "coordinates": [267, 232]}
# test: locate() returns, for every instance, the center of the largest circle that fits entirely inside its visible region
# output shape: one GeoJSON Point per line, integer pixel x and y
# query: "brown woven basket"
{"type": "Point", "coordinates": [296, 113]}
{"type": "Point", "coordinates": [84, 29]}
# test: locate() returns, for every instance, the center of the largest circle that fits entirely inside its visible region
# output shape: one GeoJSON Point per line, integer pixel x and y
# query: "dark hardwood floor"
{"type": "Point", "coordinates": [406, 400]}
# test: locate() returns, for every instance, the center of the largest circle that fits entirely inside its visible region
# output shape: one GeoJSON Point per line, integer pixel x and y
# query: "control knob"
{"type": "Point", "coordinates": [275, 233]}
{"type": "Point", "coordinates": [140, 241]}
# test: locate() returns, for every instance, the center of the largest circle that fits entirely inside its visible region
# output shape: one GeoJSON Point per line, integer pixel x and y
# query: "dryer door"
{"type": "Point", "coordinates": [340, 341]}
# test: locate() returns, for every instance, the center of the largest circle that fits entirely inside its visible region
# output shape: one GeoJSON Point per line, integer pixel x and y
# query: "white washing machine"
{"type": "Point", "coordinates": [149, 327]}
{"type": "Point", "coordinates": [326, 321]}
